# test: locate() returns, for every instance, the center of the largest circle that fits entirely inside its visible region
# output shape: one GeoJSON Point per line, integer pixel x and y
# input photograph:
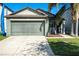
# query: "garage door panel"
{"type": "Point", "coordinates": [14, 33]}
{"type": "Point", "coordinates": [33, 28]}
{"type": "Point", "coordinates": [27, 28]}
{"type": "Point", "coordinates": [17, 28]}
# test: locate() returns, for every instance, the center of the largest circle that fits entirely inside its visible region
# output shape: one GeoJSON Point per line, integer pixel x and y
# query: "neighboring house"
{"type": "Point", "coordinates": [27, 22]}
{"type": "Point", "coordinates": [6, 12]}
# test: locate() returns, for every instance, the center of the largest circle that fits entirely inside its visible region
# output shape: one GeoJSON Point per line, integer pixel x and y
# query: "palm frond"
{"type": "Point", "coordinates": [59, 15]}
{"type": "Point", "coordinates": [74, 10]}
{"type": "Point", "coordinates": [50, 5]}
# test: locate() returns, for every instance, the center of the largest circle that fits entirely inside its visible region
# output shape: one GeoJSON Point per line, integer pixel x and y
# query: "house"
{"type": "Point", "coordinates": [52, 22]}
{"type": "Point", "coordinates": [27, 21]}
{"type": "Point", "coordinates": [55, 21]}
{"type": "Point", "coordinates": [38, 22]}
{"type": "Point", "coordinates": [6, 10]}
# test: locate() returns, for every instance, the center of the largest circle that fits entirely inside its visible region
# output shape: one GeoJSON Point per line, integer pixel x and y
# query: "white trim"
{"type": "Point", "coordinates": [64, 27]}
{"type": "Point", "coordinates": [61, 28]}
{"type": "Point", "coordinates": [27, 19]}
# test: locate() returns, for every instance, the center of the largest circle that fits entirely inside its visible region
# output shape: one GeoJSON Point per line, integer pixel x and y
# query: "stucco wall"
{"type": "Point", "coordinates": [8, 27]}
{"type": "Point", "coordinates": [26, 12]}
{"type": "Point", "coordinates": [68, 20]}
{"type": "Point", "coordinates": [6, 12]}
{"type": "Point", "coordinates": [46, 26]}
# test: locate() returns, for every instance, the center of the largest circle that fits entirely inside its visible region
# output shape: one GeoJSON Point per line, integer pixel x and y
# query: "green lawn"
{"type": "Point", "coordinates": [65, 46]}
{"type": "Point", "coordinates": [2, 37]}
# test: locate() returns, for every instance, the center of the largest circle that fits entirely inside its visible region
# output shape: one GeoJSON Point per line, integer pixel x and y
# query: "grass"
{"type": "Point", "coordinates": [65, 46]}
{"type": "Point", "coordinates": [2, 37]}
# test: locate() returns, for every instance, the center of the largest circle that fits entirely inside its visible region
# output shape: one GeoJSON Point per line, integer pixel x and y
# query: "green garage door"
{"type": "Point", "coordinates": [27, 28]}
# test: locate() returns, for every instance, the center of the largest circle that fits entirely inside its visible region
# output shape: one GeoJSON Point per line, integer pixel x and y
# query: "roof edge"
{"type": "Point", "coordinates": [26, 8]}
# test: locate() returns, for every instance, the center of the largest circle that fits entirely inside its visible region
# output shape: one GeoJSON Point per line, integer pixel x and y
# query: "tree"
{"type": "Point", "coordinates": [74, 13]}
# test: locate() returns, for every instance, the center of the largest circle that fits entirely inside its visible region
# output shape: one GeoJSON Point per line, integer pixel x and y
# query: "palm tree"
{"type": "Point", "coordinates": [77, 13]}
{"type": "Point", "coordinates": [50, 5]}
{"type": "Point", "coordinates": [74, 13]}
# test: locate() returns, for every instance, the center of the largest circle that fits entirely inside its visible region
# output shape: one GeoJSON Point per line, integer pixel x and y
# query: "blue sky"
{"type": "Point", "coordinates": [18, 6]}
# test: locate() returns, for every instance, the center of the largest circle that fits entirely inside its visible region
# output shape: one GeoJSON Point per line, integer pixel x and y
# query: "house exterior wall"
{"type": "Point", "coordinates": [68, 21]}
{"type": "Point", "coordinates": [12, 19]}
{"type": "Point", "coordinates": [6, 12]}
{"type": "Point", "coordinates": [26, 12]}
{"type": "Point", "coordinates": [46, 26]}
{"type": "Point", "coordinates": [8, 27]}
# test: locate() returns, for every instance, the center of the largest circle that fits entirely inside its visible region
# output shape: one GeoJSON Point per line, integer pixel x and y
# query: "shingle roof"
{"type": "Point", "coordinates": [27, 8]}
{"type": "Point", "coordinates": [24, 16]}
{"type": "Point", "coordinates": [20, 16]}
{"type": "Point", "coordinates": [45, 13]}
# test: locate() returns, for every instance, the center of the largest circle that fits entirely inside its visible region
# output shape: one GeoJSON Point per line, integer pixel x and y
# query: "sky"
{"type": "Point", "coordinates": [18, 6]}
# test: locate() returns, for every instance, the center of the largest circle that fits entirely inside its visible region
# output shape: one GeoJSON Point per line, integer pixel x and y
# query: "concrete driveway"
{"type": "Point", "coordinates": [25, 46]}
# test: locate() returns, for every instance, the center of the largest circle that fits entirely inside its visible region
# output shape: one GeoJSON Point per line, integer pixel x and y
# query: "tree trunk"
{"type": "Point", "coordinates": [77, 24]}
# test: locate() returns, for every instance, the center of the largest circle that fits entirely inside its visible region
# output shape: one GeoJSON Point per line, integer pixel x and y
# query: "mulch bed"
{"type": "Point", "coordinates": [54, 35]}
